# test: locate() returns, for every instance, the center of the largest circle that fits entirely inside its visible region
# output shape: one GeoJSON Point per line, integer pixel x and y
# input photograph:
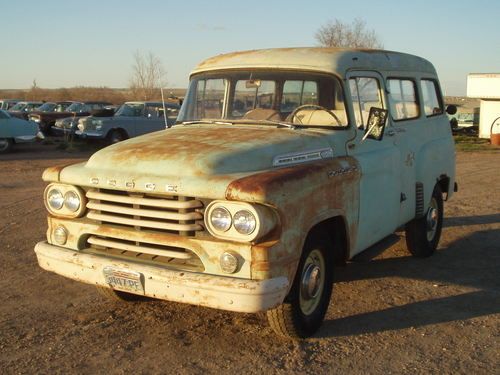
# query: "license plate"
{"type": "Point", "coordinates": [125, 280]}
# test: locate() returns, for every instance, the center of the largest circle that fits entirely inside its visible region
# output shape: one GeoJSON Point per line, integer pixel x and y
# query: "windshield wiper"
{"type": "Point", "coordinates": [274, 122]}
{"type": "Point", "coordinates": [207, 122]}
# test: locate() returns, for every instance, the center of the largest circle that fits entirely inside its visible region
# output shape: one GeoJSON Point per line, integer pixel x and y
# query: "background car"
{"type": "Point", "coordinates": [130, 120]}
{"type": "Point", "coordinates": [68, 125]}
{"type": "Point", "coordinates": [7, 104]}
{"type": "Point", "coordinates": [15, 130]}
{"type": "Point", "coordinates": [46, 120]}
{"type": "Point", "coordinates": [22, 109]}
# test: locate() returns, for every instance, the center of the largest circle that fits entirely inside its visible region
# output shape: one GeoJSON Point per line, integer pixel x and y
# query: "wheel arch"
{"type": "Point", "coordinates": [118, 129]}
{"type": "Point", "coordinates": [335, 230]}
{"type": "Point", "coordinates": [444, 183]}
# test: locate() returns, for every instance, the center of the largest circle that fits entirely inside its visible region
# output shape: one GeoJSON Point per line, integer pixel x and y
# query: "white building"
{"type": "Point", "coordinates": [486, 86]}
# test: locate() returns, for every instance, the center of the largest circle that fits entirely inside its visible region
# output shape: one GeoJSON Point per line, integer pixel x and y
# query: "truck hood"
{"type": "Point", "coordinates": [195, 155]}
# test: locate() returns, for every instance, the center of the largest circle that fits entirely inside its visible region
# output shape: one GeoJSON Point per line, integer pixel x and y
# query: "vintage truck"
{"type": "Point", "coordinates": [283, 163]}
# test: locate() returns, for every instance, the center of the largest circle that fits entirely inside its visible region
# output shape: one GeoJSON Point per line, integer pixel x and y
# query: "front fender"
{"type": "Point", "coordinates": [303, 195]}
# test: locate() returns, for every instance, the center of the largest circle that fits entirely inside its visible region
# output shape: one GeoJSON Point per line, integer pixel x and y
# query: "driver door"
{"type": "Point", "coordinates": [380, 189]}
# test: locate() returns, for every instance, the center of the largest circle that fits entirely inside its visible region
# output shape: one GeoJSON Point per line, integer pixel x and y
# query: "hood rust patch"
{"type": "Point", "coordinates": [203, 150]}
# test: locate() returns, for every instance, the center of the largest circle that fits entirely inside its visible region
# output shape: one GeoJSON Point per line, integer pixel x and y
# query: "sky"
{"type": "Point", "coordinates": [92, 42]}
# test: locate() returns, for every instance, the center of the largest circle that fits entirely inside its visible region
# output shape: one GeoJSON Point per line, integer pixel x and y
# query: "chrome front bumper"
{"type": "Point", "coordinates": [220, 292]}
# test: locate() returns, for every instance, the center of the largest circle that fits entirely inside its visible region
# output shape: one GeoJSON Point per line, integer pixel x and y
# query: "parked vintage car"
{"type": "Point", "coordinates": [47, 120]}
{"type": "Point", "coordinates": [130, 120]}
{"type": "Point", "coordinates": [23, 109]}
{"type": "Point", "coordinates": [69, 125]}
{"type": "Point", "coordinates": [282, 164]}
{"type": "Point", "coordinates": [52, 107]}
{"type": "Point", "coordinates": [7, 104]}
{"type": "Point", "coordinates": [14, 130]}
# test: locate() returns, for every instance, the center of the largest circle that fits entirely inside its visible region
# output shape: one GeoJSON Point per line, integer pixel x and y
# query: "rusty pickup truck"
{"type": "Point", "coordinates": [283, 163]}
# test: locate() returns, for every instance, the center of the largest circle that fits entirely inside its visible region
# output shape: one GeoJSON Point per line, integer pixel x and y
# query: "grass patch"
{"type": "Point", "coordinates": [473, 143]}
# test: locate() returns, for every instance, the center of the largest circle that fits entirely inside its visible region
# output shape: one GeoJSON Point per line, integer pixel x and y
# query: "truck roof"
{"type": "Point", "coordinates": [326, 60]}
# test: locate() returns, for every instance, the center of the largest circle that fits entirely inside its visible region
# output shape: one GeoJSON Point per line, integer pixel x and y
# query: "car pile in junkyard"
{"type": "Point", "coordinates": [27, 121]}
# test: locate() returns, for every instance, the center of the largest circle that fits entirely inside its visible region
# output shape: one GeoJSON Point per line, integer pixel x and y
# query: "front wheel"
{"type": "Point", "coordinates": [116, 136]}
{"type": "Point", "coordinates": [5, 145]}
{"type": "Point", "coordinates": [423, 234]}
{"type": "Point", "coordinates": [305, 306]}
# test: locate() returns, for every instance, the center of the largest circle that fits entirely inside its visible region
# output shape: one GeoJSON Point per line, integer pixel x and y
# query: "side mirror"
{"type": "Point", "coordinates": [376, 124]}
{"type": "Point", "coordinates": [451, 109]}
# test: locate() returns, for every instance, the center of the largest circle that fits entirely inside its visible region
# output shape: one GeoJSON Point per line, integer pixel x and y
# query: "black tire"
{"type": "Point", "coordinates": [117, 295]}
{"type": "Point", "coordinates": [301, 314]}
{"type": "Point", "coordinates": [5, 145]}
{"type": "Point", "coordinates": [44, 128]}
{"type": "Point", "coordinates": [423, 234]}
{"type": "Point", "coordinates": [116, 136]}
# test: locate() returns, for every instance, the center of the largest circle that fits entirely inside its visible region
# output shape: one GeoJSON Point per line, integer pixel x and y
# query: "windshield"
{"type": "Point", "coordinates": [77, 107]}
{"type": "Point", "coordinates": [130, 109]}
{"type": "Point", "coordinates": [61, 107]}
{"type": "Point", "coordinates": [298, 98]}
{"type": "Point", "coordinates": [47, 107]}
{"type": "Point", "coordinates": [19, 106]}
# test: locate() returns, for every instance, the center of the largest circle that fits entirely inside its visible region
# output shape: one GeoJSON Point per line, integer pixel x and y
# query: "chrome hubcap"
{"type": "Point", "coordinates": [3, 144]}
{"type": "Point", "coordinates": [312, 282]}
{"type": "Point", "coordinates": [432, 220]}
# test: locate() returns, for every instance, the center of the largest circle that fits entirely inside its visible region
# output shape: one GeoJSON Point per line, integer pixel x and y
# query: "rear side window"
{"type": "Point", "coordinates": [431, 96]}
{"type": "Point", "coordinates": [403, 99]}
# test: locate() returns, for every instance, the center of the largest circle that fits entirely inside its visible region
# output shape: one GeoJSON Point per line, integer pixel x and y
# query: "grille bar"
{"type": "Point", "coordinates": [144, 223]}
{"type": "Point", "coordinates": [138, 249]}
{"type": "Point", "coordinates": [162, 203]}
{"type": "Point", "coordinates": [142, 212]}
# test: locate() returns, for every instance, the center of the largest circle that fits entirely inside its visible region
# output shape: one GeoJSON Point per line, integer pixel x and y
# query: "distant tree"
{"type": "Point", "coordinates": [35, 92]}
{"type": "Point", "coordinates": [354, 35]}
{"type": "Point", "coordinates": [148, 76]}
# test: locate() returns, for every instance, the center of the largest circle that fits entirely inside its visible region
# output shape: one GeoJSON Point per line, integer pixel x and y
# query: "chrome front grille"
{"type": "Point", "coordinates": [141, 216]}
{"type": "Point", "coordinates": [172, 214]}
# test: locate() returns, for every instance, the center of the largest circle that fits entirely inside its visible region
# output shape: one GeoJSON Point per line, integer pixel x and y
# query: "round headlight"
{"type": "Point", "coordinates": [60, 235]}
{"type": "Point", "coordinates": [228, 262]}
{"type": "Point", "coordinates": [71, 201]}
{"type": "Point", "coordinates": [220, 218]}
{"type": "Point", "coordinates": [55, 199]}
{"type": "Point", "coordinates": [244, 222]}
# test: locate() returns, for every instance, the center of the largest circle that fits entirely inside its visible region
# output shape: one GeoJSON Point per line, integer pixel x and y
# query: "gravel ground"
{"type": "Point", "coordinates": [390, 313]}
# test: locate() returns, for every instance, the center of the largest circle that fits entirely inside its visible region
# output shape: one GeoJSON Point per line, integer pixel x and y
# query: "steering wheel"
{"type": "Point", "coordinates": [312, 106]}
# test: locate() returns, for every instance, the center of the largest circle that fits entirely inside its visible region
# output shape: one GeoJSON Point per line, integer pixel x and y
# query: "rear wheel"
{"type": "Point", "coordinates": [5, 145]}
{"type": "Point", "coordinates": [305, 306]}
{"type": "Point", "coordinates": [423, 234]}
{"type": "Point", "coordinates": [118, 295]}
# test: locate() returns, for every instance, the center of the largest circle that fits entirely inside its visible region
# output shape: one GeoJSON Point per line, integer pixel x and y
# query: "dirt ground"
{"type": "Point", "coordinates": [390, 313]}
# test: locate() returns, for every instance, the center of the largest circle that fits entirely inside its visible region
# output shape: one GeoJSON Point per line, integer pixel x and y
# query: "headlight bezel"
{"type": "Point", "coordinates": [265, 220]}
{"type": "Point", "coordinates": [64, 211]}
